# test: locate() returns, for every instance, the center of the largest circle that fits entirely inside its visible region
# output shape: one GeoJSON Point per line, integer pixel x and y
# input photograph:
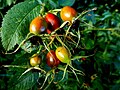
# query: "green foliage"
{"type": "Point", "coordinates": [93, 41]}
{"type": "Point", "coordinates": [20, 14]}
{"type": "Point", "coordinates": [4, 3]}
{"type": "Point", "coordinates": [26, 82]}
{"type": "Point", "coordinates": [66, 2]}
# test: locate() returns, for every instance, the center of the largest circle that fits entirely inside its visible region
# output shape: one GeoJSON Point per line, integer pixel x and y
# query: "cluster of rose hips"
{"type": "Point", "coordinates": [49, 23]}
{"type": "Point", "coordinates": [53, 58]}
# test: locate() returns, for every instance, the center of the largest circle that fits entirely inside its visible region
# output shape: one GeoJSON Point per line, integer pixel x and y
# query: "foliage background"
{"type": "Point", "coordinates": [102, 70]}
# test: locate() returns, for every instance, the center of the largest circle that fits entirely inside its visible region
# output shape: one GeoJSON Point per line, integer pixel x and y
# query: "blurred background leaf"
{"type": "Point", "coordinates": [66, 2]}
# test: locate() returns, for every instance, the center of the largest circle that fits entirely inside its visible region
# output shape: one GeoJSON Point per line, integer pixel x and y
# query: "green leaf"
{"type": "Point", "coordinates": [66, 2]}
{"type": "Point", "coordinates": [2, 86]}
{"type": "Point", "coordinates": [26, 82]}
{"type": "Point", "coordinates": [28, 47]}
{"type": "Point", "coordinates": [16, 22]}
{"type": "Point", "coordinates": [53, 3]}
{"type": "Point", "coordinates": [89, 43]}
{"type": "Point", "coordinates": [97, 85]}
{"type": "Point", "coordinates": [115, 87]}
{"type": "Point", "coordinates": [91, 17]}
{"type": "Point", "coordinates": [106, 15]}
{"type": "Point", "coordinates": [9, 2]}
{"type": "Point", "coordinates": [117, 65]}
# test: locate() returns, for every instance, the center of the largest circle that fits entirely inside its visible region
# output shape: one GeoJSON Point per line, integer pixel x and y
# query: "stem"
{"type": "Point", "coordinates": [84, 12]}
{"type": "Point", "coordinates": [55, 10]}
{"type": "Point", "coordinates": [83, 74]}
{"type": "Point", "coordinates": [79, 36]}
{"type": "Point", "coordinates": [79, 57]}
{"type": "Point", "coordinates": [39, 49]}
{"type": "Point", "coordinates": [71, 40]}
{"type": "Point", "coordinates": [14, 66]}
{"type": "Point", "coordinates": [64, 72]}
{"type": "Point", "coordinates": [49, 83]}
{"type": "Point", "coordinates": [62, 25]}
{"type": "Point", "coordinates": [114, 33]}
{"type": "Point", "coordinates": [1, 15]}
{"type": "Point", "coordinates": [46, 47]}
{"type": "Point", "coordinates": [42, 9]}
{"type": "Point", "coordinates": [75, 76]}
{"type": "Point", "coordinates": [72, 34]}
{"type": "Point", "coordinates": [68, 30]}
{"type": "Point", "coordinates": [25, 72]}
{"type": "Point", "coordinates": [96, 29]}
{"type": "Point", "coordinates": [37, 68]}
{"type": "Point", "coordinates": [51, 41]}
{"type": "Point", "coordinates": [27, 37]}
{"type": "Point", "coordinates": [62, 69]}
{"type": "Point", "coordinates": [47, 75]}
